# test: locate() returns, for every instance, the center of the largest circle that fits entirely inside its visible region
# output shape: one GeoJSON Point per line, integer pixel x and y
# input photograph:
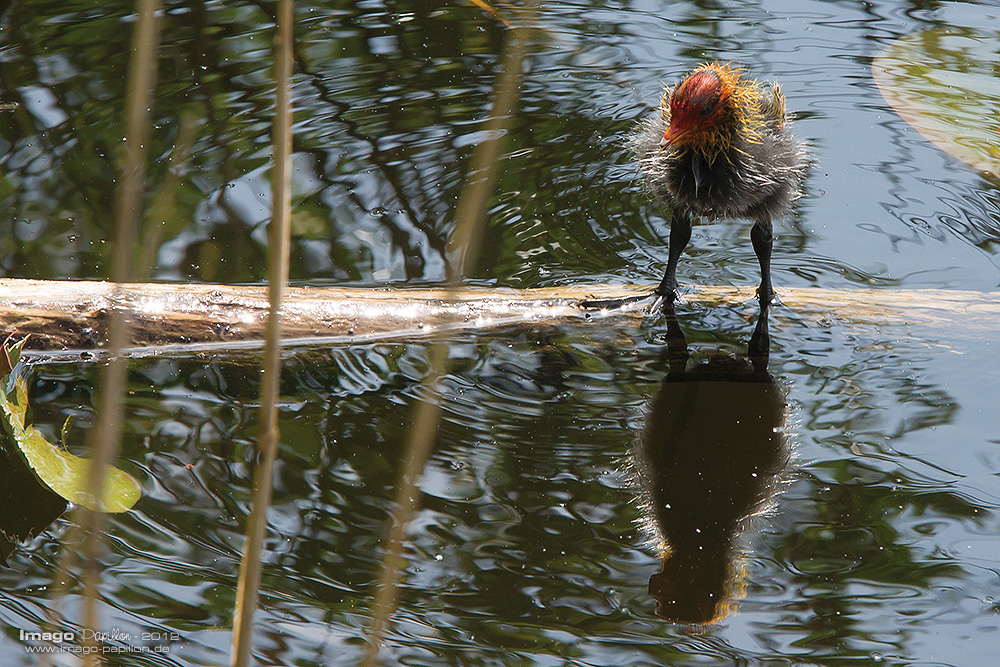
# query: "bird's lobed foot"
{"type": "Point", "coordinates": [657, 305]}
{"type": "Point", "coordinates": [766, 298]}
{"type": "Point", "coordinates": [663, 301]}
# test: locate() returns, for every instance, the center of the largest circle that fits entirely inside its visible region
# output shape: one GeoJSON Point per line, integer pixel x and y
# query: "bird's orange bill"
{"type": "Point", "coordinates": [672, 134]}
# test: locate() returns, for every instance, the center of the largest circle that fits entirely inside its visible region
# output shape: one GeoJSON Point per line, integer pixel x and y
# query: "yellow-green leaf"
{"type": "Point", "coordinates": [942, 81]}
{"type": "Point", "coordinates": [61, 471]}
{"type": "Point", "coordinates": [67, 475]}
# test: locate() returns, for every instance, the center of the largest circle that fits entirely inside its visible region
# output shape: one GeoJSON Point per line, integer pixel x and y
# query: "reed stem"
{"type": "Point", "coordinates": [470, 220]}
{"type": "Point", "coordinates": [279, 236]}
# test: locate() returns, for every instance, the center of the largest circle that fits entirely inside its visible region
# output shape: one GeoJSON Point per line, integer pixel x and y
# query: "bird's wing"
{"type": "Point", "coordinates": [772, 106]}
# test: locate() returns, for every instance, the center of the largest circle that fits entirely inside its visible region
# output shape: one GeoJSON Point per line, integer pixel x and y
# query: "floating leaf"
{"type": "Point", "coordinates": [943, 82]}
{"type": "Point", "coordinates": [67, 474]}
{"type": "Point", "coordinates": [59, 470]}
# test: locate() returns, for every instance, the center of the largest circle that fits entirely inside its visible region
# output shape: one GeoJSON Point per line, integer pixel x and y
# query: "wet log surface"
{"type": "Point", "coordinates": [63, 316]}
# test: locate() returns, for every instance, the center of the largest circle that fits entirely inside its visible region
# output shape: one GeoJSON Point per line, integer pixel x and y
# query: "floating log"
{"type": "Point", "coordinates": [65, 316]}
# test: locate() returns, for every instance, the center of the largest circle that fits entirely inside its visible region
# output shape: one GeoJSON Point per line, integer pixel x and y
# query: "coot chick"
{"type": "Point", "coordinates": [720, 147]}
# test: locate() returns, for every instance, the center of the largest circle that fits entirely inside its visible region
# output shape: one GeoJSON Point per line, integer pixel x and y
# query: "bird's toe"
{"type": "Point", "coordinates": [662, 302]}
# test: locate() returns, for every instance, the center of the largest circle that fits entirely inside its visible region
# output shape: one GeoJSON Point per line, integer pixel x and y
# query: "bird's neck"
{"type": "Point", "coordinates": [722, 142]}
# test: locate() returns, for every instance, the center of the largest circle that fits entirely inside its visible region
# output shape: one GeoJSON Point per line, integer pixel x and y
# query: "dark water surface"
{"type": "Point", "coordinates": [878, 540]}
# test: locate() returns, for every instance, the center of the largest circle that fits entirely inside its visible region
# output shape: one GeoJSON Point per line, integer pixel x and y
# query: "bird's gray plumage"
{"type": "Point", "coordinates": [756, 178]}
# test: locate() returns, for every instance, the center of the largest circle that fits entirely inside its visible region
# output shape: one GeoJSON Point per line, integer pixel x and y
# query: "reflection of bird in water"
{"type": "Point", "coordinates": [707, 461]}
{"type": "Point", "coordinates": [720, 147]}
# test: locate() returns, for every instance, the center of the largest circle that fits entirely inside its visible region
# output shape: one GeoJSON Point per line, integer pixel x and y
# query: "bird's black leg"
{"type": "Point", "coordinates": [761, 236]}
{"type": "Point", "coordinates": [666, 292]}
{"type": "Point", "coordinates": [760, 341]}
{"type": "Point", "coordinates": [680, 234]}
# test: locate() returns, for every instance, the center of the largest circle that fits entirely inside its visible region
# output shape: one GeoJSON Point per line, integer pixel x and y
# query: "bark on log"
{"type": "Point", "coordinates": [64, 316]}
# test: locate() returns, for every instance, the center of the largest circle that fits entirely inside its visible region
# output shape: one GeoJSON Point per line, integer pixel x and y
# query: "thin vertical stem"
{"type": "Point", "coordinates": [279, 236]}
{"type": "Point", "coordinates": [470, 212]}
{"type": "Point", "coordinates": [470, 218]}
{"type": "Point", "coordinates": [139, 97]}
{"type": "Point", "coordinates": [104, 439]}
{"type": "Point", "coordinates": [419, 445]}
{"type": "Point", "coordinates": [164, 200]}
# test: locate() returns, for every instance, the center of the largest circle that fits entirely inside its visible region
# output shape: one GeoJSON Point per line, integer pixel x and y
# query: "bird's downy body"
{"type": "Point", "coordinates": [720, 147]}
{"type": "Point", "coordinates": [729, 153]}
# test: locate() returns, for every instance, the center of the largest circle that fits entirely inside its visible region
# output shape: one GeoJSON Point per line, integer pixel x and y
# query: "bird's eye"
{"type": "Point", "coordinates": [706, 110]}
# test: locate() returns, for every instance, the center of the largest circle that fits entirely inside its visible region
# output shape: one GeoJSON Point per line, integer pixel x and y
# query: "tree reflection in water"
{"type": "Point", "coordinates": [707, 462]}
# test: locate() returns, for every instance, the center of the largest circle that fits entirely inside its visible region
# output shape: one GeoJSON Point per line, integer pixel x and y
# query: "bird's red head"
{"type": "Point", "coordinates": [707, 108]}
